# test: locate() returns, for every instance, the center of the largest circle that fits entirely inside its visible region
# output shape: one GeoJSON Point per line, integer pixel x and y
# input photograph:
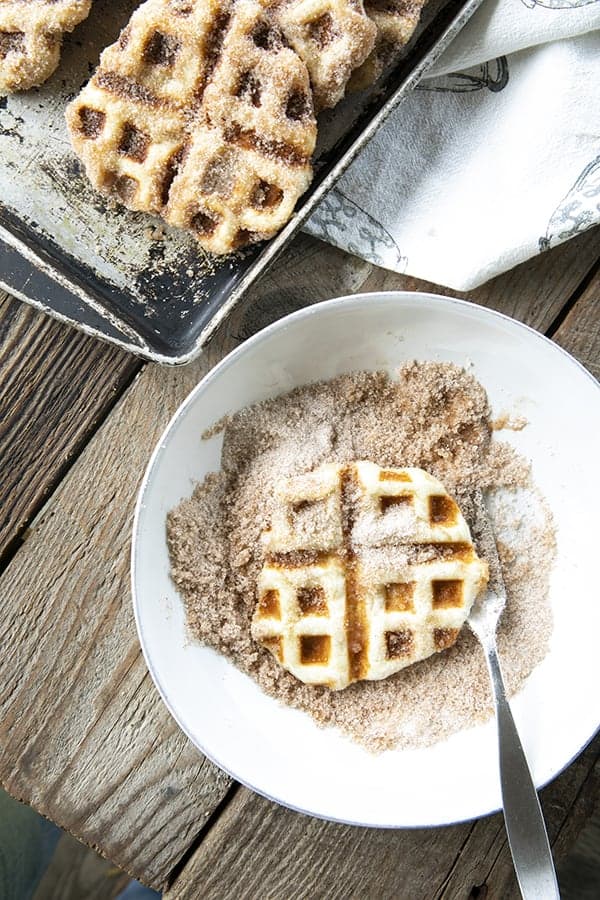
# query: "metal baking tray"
{"type": "Point", "coordinates": [120, 275]}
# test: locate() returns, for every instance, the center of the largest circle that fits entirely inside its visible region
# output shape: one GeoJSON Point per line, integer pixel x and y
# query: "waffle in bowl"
{"type": "Point", "coordinates": [366, 571]}
{"type": "Point", "coordinates": [31, 33]}
{"type": "Point", "coordinates": [202, 114]}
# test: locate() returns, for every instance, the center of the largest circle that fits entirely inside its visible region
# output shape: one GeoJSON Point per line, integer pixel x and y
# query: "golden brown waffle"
{"type": "Point", "coordinates": [247, 165]}
{"type": "Point", "coordinates": [129, 124]}
{"type": "Point", "coordinates": [31, 34]}
{"type": "Point", "coordinates": [202, 114]}
{"type": "Point", "coordinates": [395, 21]}
{"type": "Point", "coordinates": [333, 37]}
{"type": "Point", "coordinates": [366, 571]}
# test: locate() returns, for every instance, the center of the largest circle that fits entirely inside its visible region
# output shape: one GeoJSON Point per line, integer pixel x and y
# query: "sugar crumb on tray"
{"type": "Point", "coordinates": [434, 416]}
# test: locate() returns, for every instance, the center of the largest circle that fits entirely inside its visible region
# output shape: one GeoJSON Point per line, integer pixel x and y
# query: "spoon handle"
{"type": "Point", "coordinates": [527, 836]}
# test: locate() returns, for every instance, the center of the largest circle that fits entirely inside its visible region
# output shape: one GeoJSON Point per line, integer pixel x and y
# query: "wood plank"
{"type": "Point", "coordinates": [57, 384]}
{"type": "Point", "coordinates": [485, 860]}
{"type": "Point", "coordinates": [579, 333]}
{"type": "Point", "coordinates": [257, 849]}
{"type": "Point", "coordinates": [93, 748]}
{"type": "Point", "coordinates": [579, 874]}
{"type": "Point", "coordinates": [76, 872]}
{"type": "Point", "coordinates": [534, 292]}
{"type": "Point", "coordinates": [83, 735]}
{"type": "Point", "coordinates": [309, 271]}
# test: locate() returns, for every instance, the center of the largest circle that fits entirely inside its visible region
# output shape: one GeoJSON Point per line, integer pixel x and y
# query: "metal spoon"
{"type": "Point", "coordinates": [525, 827]}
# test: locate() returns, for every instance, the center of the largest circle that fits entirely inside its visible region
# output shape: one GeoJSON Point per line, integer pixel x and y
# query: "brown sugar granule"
{"type": "Point", "coordinates": [434, 416]}
{"type": "Point", "coordinates": [508, 422]}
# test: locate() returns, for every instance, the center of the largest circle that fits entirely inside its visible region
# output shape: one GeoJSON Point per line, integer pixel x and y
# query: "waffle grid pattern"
{"type": "Point", "coordinates": [31, 34]}
{"type": "Point", "coordinates": [333, 37]}
{"type": "Point", "coordinates": [200, 113]}
{"type": "Point", "coordinates": [336, 606]}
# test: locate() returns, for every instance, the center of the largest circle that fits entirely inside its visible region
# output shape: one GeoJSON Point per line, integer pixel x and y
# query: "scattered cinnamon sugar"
{"type": "Point", "coordinates": [434, 416]}
{"type": "Point", "coordinates": [506, 421]}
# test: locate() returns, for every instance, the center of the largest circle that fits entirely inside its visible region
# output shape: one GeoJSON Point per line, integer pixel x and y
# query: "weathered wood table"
{"type": "Point", "coordinates": [84, 736]}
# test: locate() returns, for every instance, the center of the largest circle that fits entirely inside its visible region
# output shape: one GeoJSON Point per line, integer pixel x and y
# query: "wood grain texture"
{"type": "Point", "coordinates": [579, 874]}
{"type": "Point", "coordinates": [534, 292]}
{"type": "Point", "coordinates": [579, 333]}
{"type": "Point", "coordinates": [83, 734]}
{"type": "Point", "coordinates": [485, 859]}
{"type": "Point", "coordinates": [75, 872]}
{"type": "Point", "coordinates": [256, 849]}
{"type": "Point", "coordinates": [56, 384]}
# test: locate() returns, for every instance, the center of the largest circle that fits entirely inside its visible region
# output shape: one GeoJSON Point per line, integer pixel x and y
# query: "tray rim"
{"type": "Point", "coordinates": [272, 250]}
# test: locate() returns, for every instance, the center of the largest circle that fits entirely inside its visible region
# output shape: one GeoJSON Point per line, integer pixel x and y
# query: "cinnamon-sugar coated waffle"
{"type": "Point", "coordinates": [201, 113]}
{"type": "Point", "coordinates": [31, 34]}
{"type": "Point", "coordinates": [367, 570]}
{"type": "Point", "coordinates": [333, 37]}
{"type": "Point", "coordinates": [395, 21]}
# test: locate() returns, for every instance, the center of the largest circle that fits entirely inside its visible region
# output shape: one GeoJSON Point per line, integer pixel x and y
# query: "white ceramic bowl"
{"type": "Point", "coordinates": [280, 752]}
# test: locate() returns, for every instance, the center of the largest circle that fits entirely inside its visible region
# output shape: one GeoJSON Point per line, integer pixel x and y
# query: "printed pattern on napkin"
{"type": "Point", "coordinates": [576, 212]}
{"type": "Point", "coordinates": [484, 165]}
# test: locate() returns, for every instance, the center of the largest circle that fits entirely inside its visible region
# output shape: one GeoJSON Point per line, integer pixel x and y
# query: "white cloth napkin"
{"type": "Point", "coordinates": [476, 172]}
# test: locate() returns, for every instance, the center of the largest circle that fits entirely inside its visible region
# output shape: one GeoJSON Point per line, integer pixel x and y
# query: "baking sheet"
{"type": "Point", "coordinates": [126, 276]}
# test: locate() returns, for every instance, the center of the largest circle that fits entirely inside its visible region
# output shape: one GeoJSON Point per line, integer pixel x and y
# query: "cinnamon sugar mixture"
{"type": "Point", "coordinates": [434, 416]}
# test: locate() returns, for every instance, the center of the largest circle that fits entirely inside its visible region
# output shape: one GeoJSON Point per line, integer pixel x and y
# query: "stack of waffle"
{"type": "Point", "coordinates": [202, 114]}
{"type": "Point", "coordinates": [204, 110]}
{"type": "Point", "coordinates": [366, 571]}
